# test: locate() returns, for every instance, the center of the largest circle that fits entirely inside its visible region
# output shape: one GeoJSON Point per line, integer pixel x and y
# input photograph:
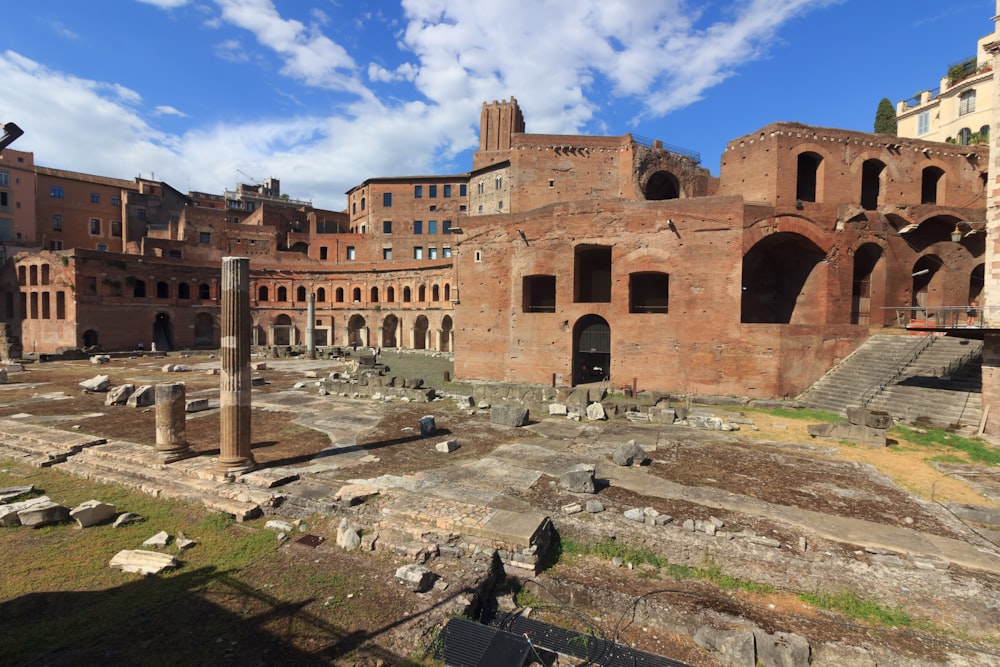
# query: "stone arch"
{"type": "Point", "coordinates": [591, 349]}
{"type": "Point", "coordinates": [420, 326]}
{"type": "Point", "coordinates": [204, 330]}
{"type": "Point", "coordinates": [976, 283]}
{"type": "Point", "coordinates": [447, 332]}
{"type": "Point", "coordinates": [389, 327]}
{"type": "Point", "coordinates": [357, 331]}
{"type": "Point", "coordinates": [931, 230]}
{"type": "Point", "coordinates": [662, 185]}
{"type": "Point", "coordinates": [284, 330]}
{"type": "Point", "coordinates": [163, 332]}
{"type": "Point", "coordinates": [781, 275]}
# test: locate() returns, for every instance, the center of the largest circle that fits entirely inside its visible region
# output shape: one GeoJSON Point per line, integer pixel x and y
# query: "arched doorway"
{"type": "Point", "coordinates": [284, 332]}
{"type": "Point", "coordinates": [420, 333]}
{"type": "Point", "coordinates": [163, 332]}
{"type": "Point", "coordinates": [591, 349]}
{"type": "Point", "coordinates": [446, 331]}
{"type": "Point", "coordinates": [389, 325]}
{"type": "Point", "coordinates": [866, 259]}
{"type": "Point", "coordinates": [204, 330]}
{"type": "Point", "coordinates": [90, 338]}
{"type": "Point", "coordinates": [781, 277]}
{"type": "Point", "coordinates": [927, 281]}
{"type": "Point", "coordinates": [357, 331]}
{"type": "Point", "coordinates": [976, 282]}
{"type": "Point", "coordinates": [662, 185]}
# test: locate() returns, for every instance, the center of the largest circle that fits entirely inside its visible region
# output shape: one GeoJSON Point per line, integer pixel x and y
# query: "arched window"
{"type": "Point", "coordinates": [435, 293]}
{"type": "Point", "coordinates": [139, 288]}
{"type": "Point", "coordinates": [262, 293]}
{"type": "Point", "coordinates": [300, 293]}
{"type": "Point", "coordinates": [447, 292]}
{"type": "Point", "coordinates": [422, 293]}
{"type": "Point", "coordinates": [374, 295]}
{"type": "Point", "coordinates": [282, 294]}
{"type": "Point", "coordinates": [808, 177]}
{"type": "Point", "coordinates": [340, 295]}
{"type": "Point", "coordinates": [390, 294]}
{"type": "Point", "coordinates": [183, 291]}
{"type": "Point", "coordinates": [205, 293]}
{"type": "Point", "coordinates": [356, 295]}
{"type": "Point", "coordinates": [964, 135]}
{"type": "Point", "coordinates": [162, 290]}
{"type": "Point", "coordinates": [320, 294]}
{"type": "Point", "coordinates": [407, 295]}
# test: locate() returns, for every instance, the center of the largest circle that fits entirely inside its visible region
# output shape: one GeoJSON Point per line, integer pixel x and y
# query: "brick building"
{"type": "Point", "coordinates": [577, 258]}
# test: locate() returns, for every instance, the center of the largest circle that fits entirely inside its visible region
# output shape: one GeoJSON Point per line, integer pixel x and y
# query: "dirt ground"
{"type": "Point", "coordinates": [760, 463]}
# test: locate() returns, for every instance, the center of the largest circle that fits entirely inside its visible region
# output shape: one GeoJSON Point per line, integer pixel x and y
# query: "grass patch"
{"type": "Point", "coordinates": [709, 571]}
{"type": "Point", "coordinates": [975, 448]}
{"type": "Point", "coordinates": [797, 413]}
{"type": "Point", "coordinates": [849, 604]}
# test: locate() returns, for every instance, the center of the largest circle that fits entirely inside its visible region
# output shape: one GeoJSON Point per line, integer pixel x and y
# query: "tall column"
{"type": "Point", "coordinates": [235, 456]}
{"type": "Point", "coordinates": [171, 422]}
{"type": "Point", "coordinates": [311, 325]}
{"type": "Point", "coordinates": [990, 302]}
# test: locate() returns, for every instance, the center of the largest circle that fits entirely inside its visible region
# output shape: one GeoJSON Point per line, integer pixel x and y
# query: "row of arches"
{"type": "Point", "coordinates": [388, 331]}
{"type": "Point", "coordinates": [357, 294]}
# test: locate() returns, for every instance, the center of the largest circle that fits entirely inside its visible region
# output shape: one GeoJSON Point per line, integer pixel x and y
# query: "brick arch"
{"type": "Point", "coordinates": [794, 224]}
{"type": "Point", "coordinates": [647, 259]}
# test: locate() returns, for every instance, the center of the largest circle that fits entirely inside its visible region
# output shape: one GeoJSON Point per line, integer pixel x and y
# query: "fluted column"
{"type": "Point", "coordinates": [311, 325]}
{"type": "Point", "coordinates": [235, 456]}
{"type": "Point", "coordinates": [171, 422]}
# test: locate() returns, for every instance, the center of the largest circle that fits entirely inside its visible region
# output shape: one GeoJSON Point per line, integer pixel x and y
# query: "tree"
{"type": "Point", "coordinates": [885, 118]}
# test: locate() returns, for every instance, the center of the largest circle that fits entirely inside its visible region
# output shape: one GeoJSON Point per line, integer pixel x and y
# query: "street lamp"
{"type": "Point", "coordinates": [10, 132]}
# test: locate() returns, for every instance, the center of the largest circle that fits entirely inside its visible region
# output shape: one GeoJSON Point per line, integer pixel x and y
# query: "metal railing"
{"type": "Point", "coordinates": [915, 351]}
{"type": "Point", "coordinates": [944, 317]}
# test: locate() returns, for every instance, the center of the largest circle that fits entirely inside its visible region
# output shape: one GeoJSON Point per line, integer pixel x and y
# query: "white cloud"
{"type": "Point", "coordinates": [167, 110]}
{"type": "Point", "coordinates": [166, 4]}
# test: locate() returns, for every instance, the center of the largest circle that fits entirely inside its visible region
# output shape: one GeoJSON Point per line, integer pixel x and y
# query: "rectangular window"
{"type": "Point", "coordinates": [446, 251]}
{"type": "Point", "coordinates": [418, 252]}
{"type": "Point", "coordinates": [462, 190]}
{"type": "Point", "coordinates": [116, 229]}
{"type": "Point", "coordinates": [204, 238]}
{"type": "Point", "coordinates": [116, 201]}
{"type": "Point", "coordinates": [4, 179]}
{"type": "Point", "coordinates": [350, 252]}
{"type": "Point", "coordinates": [538, 294]}
{"type": "Point", "coordinates": [924, 122]}
{"type": "Point", "coordinates": [387, 254]}
{"type": "Point", "coordinates": [55, 245]}
{"type": "Point", "coordinates": [418, 226]}
{"type": "Point", "coordinates": [446, 227]}
{"type": "Point", "coordinates": [418, 191]}
{"type": "Point", "coordinates": [56, 192]}
{"type": "Point", "coordinates": [387, 226]}
{"type": "Point", "coordinates": [95, 197]}
{"type": "Point", "coordinates": [967, 102]}
{"type": "Point", "coordinates": [432, 253]}
{"type": "Point", "coordinates": [322, 252]}
{"type": "Point", "coordinates": [387, 199]}
{"type": "Point", "coordinates": [4, 200]}
{"type": "Point", "coordinates": [446, 191]}
{"type": "Point", "coordinates": [432, 191]}
{"type": "Point", "coordinates": [432, 226]}
{"type": "Point", "coordinates": [95, 226]}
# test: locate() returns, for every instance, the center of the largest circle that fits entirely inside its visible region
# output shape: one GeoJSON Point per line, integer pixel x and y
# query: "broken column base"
{"type": "Point", "coordinates": [864, 426]}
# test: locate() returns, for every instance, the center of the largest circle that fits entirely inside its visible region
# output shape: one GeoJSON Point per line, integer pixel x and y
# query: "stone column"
{"type": "Point", "coordinates": [311, 325]}
{"type": "Point", "coordinates": [990, 303]}
{"type": "Point", "coordinates": [171, 422]}
{"type": "Point", "coordinates": [235, 456]}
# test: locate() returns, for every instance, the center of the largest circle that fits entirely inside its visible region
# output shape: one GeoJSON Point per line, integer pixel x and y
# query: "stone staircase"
{"type": "Point", "coordinates": [929, 379]}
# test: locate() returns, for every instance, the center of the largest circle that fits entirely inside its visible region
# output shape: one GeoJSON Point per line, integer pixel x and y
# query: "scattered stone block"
{"type": "Point", "coordinates": [9, 513]}
{"type": "Point", "coordinates": [161, 539]}
{"type": "Point", "coordinates": [278, 526]}
{"type": "Point", "coordinates": [3, 376]}
{"type": "Point", "coordinates": [42, 514]}
{"type": "Point", "coordinates": [12, 492]}
{"type": "Point", "coordinates": [427, 425]}
{"type": "Point", "coordinates": [736, 646]}
{"type": "Point", "coordinates": [636, 514]}
{"type": "Point", "coordinates": [628, 454]}
{"type": "Point", "coordinates": [662, 519]}
{"type": "Point", "coordinates": [689, 525]}
{"type": "Point", "coordinates": [594, 506]}
{"type": "Point", "coordinates": [96, 384]}
{"type": "Point", "coordinates": [579, 478]}
{"type": "Point", "coordinates": [183, 542]}
{"type": "Point", "coordinates": [557, 409]}
{"type": "Point", "coordinates": [261, 366]}
{"type": "Point", "coordinates": [15, 367]}
{"type": "Point", "coordinates": [144, 396]}
{"type": "Point", "coordinates": [416, 578]}
{"type": "Point", "coordinates": [781, 648]}
{"type": "Point", "coordinates": [595, 412]}
{"type": "Point", "coordinates": [92, 512]}
{"type": "Point", "coordinates": [119, 395]}
{"type": "Point", "coordinates": [196, 405]}
{"type": "Point", "coordinates": [572, 508]}
{"type": "Point", "coordinates": [509, 415]}
{"type": "Point", "coordinates": [142, 562]}
{"type": "Point", "coordinates": [347, 538]}
{"type": "Point", "coordinates": [355, 494]}
{"type": "Point", "coordinates": [447, 446]}
{"type": "Point", "coordinates": [126, 519]}
{"type": "Point", "coordinates": [100, 359]}
{"type": "Point", "coordinates": [257, 381]}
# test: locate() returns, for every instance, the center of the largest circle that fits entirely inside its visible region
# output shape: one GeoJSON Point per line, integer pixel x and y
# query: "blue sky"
{"type": "Point", "coordinates": [324, 94]}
